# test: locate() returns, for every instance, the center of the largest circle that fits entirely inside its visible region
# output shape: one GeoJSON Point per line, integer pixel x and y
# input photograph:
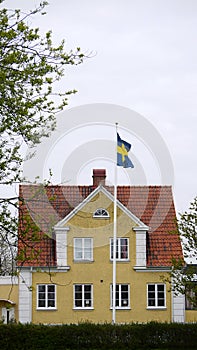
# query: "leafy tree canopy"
{"type": "Point", "coordinates": [29, 67]}
{"type": "Point", "coordinates": [185, 275]}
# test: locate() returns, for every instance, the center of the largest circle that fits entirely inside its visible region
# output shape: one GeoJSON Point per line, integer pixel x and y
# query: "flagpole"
{"type": "Point", "coordinates": [114, 239]}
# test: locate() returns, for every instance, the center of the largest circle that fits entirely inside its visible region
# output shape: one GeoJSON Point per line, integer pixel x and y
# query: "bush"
{"type": "Point", "coordinates": [91, 336]}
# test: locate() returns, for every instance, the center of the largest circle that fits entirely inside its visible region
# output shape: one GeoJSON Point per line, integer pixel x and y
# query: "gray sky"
{"type": "Point", "coordinates": [144, 58]}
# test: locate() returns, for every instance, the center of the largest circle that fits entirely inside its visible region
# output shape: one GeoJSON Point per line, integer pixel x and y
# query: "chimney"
{"type": "Point", "coordinates": [99, 176]}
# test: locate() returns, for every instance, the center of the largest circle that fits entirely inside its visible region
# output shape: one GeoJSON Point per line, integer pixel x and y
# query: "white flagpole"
{"type": "Point", "coordinates": [114, 239]}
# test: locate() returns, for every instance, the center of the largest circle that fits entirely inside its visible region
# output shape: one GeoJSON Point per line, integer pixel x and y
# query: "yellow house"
{"type": "Point", "coordinates": [66, 254]}
{"type": "Point", "coordinates": [8, 299]}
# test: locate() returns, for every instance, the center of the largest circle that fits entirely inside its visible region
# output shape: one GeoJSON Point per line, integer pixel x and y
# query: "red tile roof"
{"type": "Point", "coordinates": [43, 207]}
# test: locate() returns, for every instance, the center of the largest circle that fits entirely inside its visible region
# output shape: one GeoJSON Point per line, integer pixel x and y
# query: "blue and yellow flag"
{"type": "Point", "coordinates": [123, 148]}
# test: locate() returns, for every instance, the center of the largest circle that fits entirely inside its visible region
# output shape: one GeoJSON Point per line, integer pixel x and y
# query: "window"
{"type": "Point", "coordinates": [83, 249]}
{"type": "Point", "coordinates": [83, 296]}
{"type": "Point", "coordinates": [156, 295]}
{"type": "Point", "coordinates": [122, 296]}
{"type": "Point", "coordinates": [8, 315]}
{"type": "Point", "coordinates": [191, 296]}
{"type": "Point", "coordinates": [101, 213]}
{"type": "Point", "coordinates": [46, 296]}
{"type": "Point", "coordinates": [122, 248]}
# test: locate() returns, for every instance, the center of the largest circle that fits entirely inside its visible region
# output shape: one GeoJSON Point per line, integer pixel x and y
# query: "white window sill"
{"type": "Point", "coordinates": [82, 308]}
{"type": "Point", "coordinates": [46, 309]}
{"type": "Point", "coordinates": [83, 261]}
{"type": "Point", "coordinates": [121, 260]}
{"type": "Point", "coordinates": [122, 308]}
{"type": "Point", "coordinates": [156, 308]}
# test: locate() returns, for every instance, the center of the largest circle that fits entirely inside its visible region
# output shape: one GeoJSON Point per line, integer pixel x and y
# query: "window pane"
{"type": "Point", "coordinates": [117, 249]}
{"type": "Point", "coordinates": [87, 248]}
{"type": "Point", "coordinates": [111, 248]}
{"type": "Point", "coordinates": [124, 288]}
{"type": "Point", "coordinates": [116, 295]}
{"type": "Point", "coordinates": [78, 295]}
{"type": "Point", "coordinates": [151, 287]}
{"type": "Point", "coordinates": [78, 248]}
{"type": "Point", "coordinates": [124, 302]}
{"type": "Point", "coordinates": [160, 287]}
{"type": "Point", "coordinates": [51, 295]}
{"type": "Point", "coordinates": [51, 288]}
{"type": "Point", "coordinates": [78, 253]}
{"type": "Point", "coordinates": [124, 295]}
{"type": "Point", "coordinates": [151, 295]}
{"type": "Point", "coordinates": [41, 303]}
{"type": "Point", "coordinates": [41, 296]}
{"type": "Point", "coordinates": [78, 288]}
{"type": "Point", "coordinates": [161, 302]}
{"type": "Point", "coordinates": [160, 295]}
{"type": "Point", "coordinates": [78, 242]}
{"type": "Point", "coordinates": [87, 242]}
{"type": "Point", "coordinates": [124, 248]}
{"type": "Point", "coordinates": [151, 302]}
{"type": "Point", "coordinates": [87, 287]}
{"type": "Point", "coordinates": [51, 303]}
{"type": "Point", "coordinates": [87, 254]}
{"type": "Point", "coordinates": [41, 288]}
{"type": "Point", "coordinates": [87, 295]}
{"type": "Point", "coordinates": [78, 303]}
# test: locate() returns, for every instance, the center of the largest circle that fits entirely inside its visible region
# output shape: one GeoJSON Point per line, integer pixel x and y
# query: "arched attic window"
{"type": "Point", "coordinates": [101, 213]}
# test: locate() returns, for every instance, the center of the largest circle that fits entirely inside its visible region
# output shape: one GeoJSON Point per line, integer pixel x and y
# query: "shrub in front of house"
{"type": "Point", "coordinates": [152, 335]}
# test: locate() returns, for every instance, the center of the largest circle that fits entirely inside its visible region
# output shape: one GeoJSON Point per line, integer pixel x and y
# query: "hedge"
{"type": "Point", "coordinates": [106, 336]}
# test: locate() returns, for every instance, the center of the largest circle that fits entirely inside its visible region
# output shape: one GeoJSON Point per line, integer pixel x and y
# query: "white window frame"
{"type": "Point", "coordinates": [85, 303]}
{"type": "Point", "coordinates": [156, 298]}
{"type": "Point", "coordinates": [46, 299]}
{"type": "Point", "coordinates": [83, 258]}
{"type": "Point", "coordinates": [118, 240]}
{"type": "Point", "coordinates": [8, 314]}
{"type": "Point", "coordinates": [120, 306]}
{"type": "Point", "coordinates": [101, 213]}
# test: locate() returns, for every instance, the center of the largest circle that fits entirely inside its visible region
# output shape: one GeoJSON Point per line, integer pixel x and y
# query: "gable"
{"type": "Point", "coordinates": [55, 206]}
{"type": "Point", "coordinates": [100, 197]}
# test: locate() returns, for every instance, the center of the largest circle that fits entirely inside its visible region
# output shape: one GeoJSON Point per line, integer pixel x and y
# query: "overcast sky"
{"type": "Point", "coordinates": [144, 58]}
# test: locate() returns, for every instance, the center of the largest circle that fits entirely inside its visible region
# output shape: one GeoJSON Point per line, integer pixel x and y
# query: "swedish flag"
{"type": "Point", "coordinates": [123, 147]}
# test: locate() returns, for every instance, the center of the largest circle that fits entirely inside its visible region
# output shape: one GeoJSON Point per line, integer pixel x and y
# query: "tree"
{"type": "Point", "coordinates": [30, 67]}
{"type": "Point", "coordinates": [185, 275]}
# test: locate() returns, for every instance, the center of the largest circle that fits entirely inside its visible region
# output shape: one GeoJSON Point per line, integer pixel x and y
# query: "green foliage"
{"type": "Point", "coordinates": [188, 230]}
{"type": "Point", "coordinates": [30, 69]}
{"type": "Point", "coordinates": [106, 336]}
{"type": "Point", "coordinates": [185, 276]}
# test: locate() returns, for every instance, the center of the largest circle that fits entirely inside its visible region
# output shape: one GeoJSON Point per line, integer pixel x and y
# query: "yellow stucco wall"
{"type": "Point", "coordinates": [191, 316]}
{"type": "Point", "coordinates": [101, 312]}
{"type": "Point", "coordinates": [99, 273]}
{"type": "Point", "coordinates": [9, 292]}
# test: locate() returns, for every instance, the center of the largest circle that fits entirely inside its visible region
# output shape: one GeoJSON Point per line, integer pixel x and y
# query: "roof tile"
{"type": "Point", "coordinates": [42, 207]}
